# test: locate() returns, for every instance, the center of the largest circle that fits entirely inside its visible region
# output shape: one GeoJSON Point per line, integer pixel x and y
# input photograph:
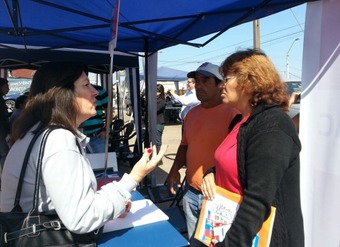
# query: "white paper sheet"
{"type": "Point", "coordinates": [142, 212]}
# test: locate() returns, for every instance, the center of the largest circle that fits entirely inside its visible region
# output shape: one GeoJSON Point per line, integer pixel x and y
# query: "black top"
{"type": "Point", "coordinates": [269, 170]}
{"type": "Point", "coordinates": [160, 110]}
{"type": "Point", "coordinates": [4, 117]}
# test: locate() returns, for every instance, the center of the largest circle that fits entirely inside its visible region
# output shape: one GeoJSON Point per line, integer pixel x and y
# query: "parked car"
{"type": "Point", "coordinates": [11, 98]}
{"type": "Point", "coordinates": [294, 86]}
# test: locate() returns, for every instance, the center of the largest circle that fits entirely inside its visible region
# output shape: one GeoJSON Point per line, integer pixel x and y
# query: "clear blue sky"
{"type": "Point", "coordinates": [277, 32]}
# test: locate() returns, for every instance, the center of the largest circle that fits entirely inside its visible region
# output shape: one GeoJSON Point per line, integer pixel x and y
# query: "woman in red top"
{"type": "Point", "coordinates": [259, 159]}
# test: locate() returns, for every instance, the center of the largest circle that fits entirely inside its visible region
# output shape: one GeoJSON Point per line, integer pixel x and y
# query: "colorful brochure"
{"type": "Point", "coordinates": [217, 216]}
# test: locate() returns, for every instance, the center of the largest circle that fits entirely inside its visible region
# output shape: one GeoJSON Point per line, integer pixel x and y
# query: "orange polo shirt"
{"type": "Point", "coordinates": [203, 131]}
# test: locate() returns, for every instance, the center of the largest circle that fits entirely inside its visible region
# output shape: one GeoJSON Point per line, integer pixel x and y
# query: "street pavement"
{"type": "Point", "coordinates": [171, 137]}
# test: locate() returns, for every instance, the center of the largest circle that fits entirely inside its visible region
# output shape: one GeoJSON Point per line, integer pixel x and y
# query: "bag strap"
{"type": "Point", "coordinates": [34, 209]}
{"type": "Point", "coordinates": [23, 170]}
{"type": "Point", "coordinates": [25, 163]}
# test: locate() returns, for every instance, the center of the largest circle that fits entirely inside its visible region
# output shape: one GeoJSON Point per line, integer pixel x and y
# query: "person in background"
{"type": "Point", "coordinates": [204, 128]}
{"type": "Point", "coordinates": [94, 127]}
{"type": "Point", "coordinates": [188, 100]}
{"type": "Point", "coordinates": [61, 94]}
{"type": "Point", "coordinates": [295, 98]}
{"type": "Point", "coordinates": [4, 122]}
{"type": "Point", "coordinates": [296, 121]}
{"type": "Point", "coordinates": [259, 159]}
{"type": "Point", "coordinates": [20, 103]}
{"type": "Point", "coordinates": [160, 116]}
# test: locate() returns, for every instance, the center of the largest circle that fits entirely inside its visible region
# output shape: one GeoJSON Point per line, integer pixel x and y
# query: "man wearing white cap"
{"type": "Point", "coordinates": [204, 128]}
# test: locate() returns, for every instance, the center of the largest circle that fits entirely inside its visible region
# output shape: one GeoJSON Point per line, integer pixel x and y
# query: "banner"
{"type": "Point", "coordinates": [320, 124]}
{"type": "Point", "coordinates": [114, 27]}
{"type": "Point", "coordinates": [112, 46]}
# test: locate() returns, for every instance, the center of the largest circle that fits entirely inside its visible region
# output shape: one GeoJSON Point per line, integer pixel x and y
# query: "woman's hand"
{"type": "Point", "coordinates": [127, 209]}
{"type": "Point", "coordinates": [147, 163]}
{"type": "Point", "coordinates": [208, 186]}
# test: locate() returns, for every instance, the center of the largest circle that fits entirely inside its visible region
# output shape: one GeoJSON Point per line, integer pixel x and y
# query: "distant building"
{"type": "Point", "coordinates": [22, 73]}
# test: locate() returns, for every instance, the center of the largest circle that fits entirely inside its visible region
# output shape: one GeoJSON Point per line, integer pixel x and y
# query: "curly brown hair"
{"type": "Point", "coordinates": [257, 75]}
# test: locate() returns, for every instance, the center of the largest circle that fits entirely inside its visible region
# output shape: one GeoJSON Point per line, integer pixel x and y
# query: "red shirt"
{"type": "Point", "coordinates": [226, 162]}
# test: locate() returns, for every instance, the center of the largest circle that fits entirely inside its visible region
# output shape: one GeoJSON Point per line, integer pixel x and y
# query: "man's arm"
{"type": "Point", "coordinates": [185, 99]}
{"type": "Point", "coordinates": [175, 97]}
{"type": "Point", "coordinates": [174, 177]}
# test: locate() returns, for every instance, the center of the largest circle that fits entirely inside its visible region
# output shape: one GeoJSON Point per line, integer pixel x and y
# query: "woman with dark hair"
{"type": "Point", "coordinates": [160, 116]}
{"type": "Point", "coordinates": [62, 95]}
{"type": "Point", "coordinates": [259, 159]}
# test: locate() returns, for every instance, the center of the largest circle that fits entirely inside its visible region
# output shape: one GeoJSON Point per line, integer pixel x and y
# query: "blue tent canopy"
{"type": "Point", "coordinates": [97, 62]}
{"type": "Point", "coordinates": [144, 25]}
{"type": "Point", "coordinates": [169, 74]}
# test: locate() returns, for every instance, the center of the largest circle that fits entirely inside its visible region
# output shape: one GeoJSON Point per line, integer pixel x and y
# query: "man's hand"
{"type": "Point", "coordinates": [173, 179]}
{"type": "Point", "coordinates": [171, 92]}
{"type": "Point", "coordinates": [294, 98]}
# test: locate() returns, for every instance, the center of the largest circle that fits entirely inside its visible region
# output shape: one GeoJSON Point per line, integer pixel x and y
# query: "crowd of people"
{"type": "Point", "coordinates": [235, 134]}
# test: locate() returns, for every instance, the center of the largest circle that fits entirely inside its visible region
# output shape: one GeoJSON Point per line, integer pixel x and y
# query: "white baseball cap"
{"type": "Point", "coordinates": [207, 69]}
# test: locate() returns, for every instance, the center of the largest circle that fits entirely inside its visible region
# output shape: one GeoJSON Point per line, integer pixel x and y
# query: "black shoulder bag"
{"type": "Point", "coordinates": [39, 229]}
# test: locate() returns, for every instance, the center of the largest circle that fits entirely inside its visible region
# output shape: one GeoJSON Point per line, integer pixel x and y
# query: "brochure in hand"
{"type": "Point", "coordinates": [217, 216]}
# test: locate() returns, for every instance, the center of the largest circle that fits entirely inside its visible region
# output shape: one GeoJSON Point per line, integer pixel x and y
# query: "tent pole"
{"type": "Point", "coordinates": [146, 79]}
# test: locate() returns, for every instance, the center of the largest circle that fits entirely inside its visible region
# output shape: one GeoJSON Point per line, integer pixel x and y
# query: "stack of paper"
{"type": "Point", "coordinates": [142, 212]}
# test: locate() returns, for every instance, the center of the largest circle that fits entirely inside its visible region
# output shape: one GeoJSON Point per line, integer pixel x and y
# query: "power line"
{"type": "Point", "coordinates": [279, 39]}
{"type": "Point", "coordinates": [297, 21]}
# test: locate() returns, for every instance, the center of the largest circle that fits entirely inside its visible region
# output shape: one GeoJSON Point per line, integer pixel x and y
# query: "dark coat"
{"type": "Point", "coordinates": [160, 110]}
{"type": "Point", "coordinates": [4, 118]}
{"type": "Point", "coordinates": [269, 170]}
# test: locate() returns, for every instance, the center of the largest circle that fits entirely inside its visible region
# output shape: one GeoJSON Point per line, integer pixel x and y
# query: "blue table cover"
{"type": "Point", "coordinates": [158, 234]}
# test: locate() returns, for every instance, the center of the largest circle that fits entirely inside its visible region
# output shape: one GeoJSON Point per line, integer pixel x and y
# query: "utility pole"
{"type": "Point", "coordinates": [256, 34]}
{"type": "Point", "coordinates": [287, 58]}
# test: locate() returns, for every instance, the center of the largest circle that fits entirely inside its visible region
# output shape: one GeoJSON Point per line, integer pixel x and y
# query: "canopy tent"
{"type": "Point", "coordinates": [169, 74]}
{"type": "Point", "coordinates": [34, 57]}
{"type": "Point", "coordinates": [144, 26]}
{"type": "Point", "coordinates": [150, 25]}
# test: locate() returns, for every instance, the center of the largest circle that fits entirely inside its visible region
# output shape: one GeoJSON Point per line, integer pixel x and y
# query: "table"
{"type": "Point", "coordinates": [158, 234]}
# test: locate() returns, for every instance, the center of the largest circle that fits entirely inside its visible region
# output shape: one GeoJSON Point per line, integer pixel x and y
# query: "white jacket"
{"type": "Point", "coordinates": [68, 183]}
